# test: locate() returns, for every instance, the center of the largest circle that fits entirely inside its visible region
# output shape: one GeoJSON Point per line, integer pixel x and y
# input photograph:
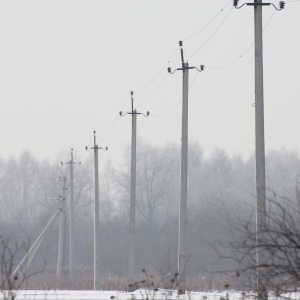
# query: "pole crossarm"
{"type": "Point", "coordinates": [133, 111]}
{"type": "Point", "coordinates": [255, 4]}
{"type": "Point", "coordinates": [96, 147]}
{"type": "Point", "coordinates": [71, 162]}
{"type": "Point", "coordinates": [184, 65]}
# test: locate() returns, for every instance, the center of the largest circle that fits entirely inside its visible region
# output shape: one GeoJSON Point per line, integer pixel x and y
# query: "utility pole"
{"type": "Point", "coordinates": [71, 164]}
{"type": "Point", "coordinates": [260, 145]}
{"type": "Point", "coordinates": [61, 239]}
{"type": "Point", "coordinates": [96, 217]}
{"type": "Point", "coordinates": [131, 261]}
{"type": "Point", "coordinates": [182, 255]}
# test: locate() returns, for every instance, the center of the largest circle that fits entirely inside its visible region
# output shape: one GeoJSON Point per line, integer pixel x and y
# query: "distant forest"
{"type": "Point", "coordinates": [220, 188]}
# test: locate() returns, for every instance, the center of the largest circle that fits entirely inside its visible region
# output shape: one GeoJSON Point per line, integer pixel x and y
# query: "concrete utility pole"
{"type": "Point", "coordinates": [131, 260]}
{"type": "Point", "coordinates": [71, 163]}
{"type": "Point", "coordinates": [259, 145]}
{"type": "Point", "coordinates": [71, 214]}
{"type": "Point", "coordinates": [61, 239]}
{"type": "Point", "coordinates": [96, 217]}
{"type": "Point", "coordinates": [182, 255]}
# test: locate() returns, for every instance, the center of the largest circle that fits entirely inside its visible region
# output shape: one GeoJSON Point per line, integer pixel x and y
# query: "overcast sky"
{"type": "Point", "coordinates": [67, 68]}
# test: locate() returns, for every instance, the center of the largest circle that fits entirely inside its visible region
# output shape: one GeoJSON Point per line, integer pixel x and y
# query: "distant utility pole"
{"type": "Point", "coordinates": [131, 262]}
{"type": "Point", "coordinates": [182, 257]}
{"type": "Point", "coordinates": [96, 216]}
{"type": "Point", "coordinates": [61, 239]}
{"type": "Point", "coordinates": [71, 163]}
{"type": "Point", "coordinates": [259, 144]}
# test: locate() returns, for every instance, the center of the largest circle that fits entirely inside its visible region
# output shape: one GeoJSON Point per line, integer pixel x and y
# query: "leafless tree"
{"type": "Point", "coordinates": [281, 246]}
{"type": "Point", "coordinates": [11, 282]}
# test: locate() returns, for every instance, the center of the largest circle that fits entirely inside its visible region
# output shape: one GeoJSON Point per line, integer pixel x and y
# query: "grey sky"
{"type": "Point", "coordinates": [67, 68]}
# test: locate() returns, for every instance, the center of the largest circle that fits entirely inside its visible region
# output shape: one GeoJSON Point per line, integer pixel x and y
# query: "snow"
{"type": "Point", "coordinates": [141, 294]}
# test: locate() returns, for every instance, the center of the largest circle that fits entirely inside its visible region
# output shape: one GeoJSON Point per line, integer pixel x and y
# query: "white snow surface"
{"type": "Point", "coordinates": [141, 294]}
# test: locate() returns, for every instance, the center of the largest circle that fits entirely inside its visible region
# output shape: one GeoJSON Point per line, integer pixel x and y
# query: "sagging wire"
{"type": "Point", "coordinates": [153, 91]}
{"type": "Point", "coordinates": [203, 45]}
{"type": "Point", "coordinates": [194, 34]}
{"type": "Point", "coordinates": [236, 59]}
{"type": "Point", "coordinates": [157, 75]}
{"type": "Point", "coordinates": [177, 104]}
{"type": "Point", "coordinates": [114, 122]}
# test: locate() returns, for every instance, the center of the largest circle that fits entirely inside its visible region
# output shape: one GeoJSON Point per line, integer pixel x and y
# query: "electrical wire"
{"type": "Point", "coordinates": [236, 59]}
{"type": "Point", "coordinates": [197, 32]}
{"type": "Point", "coordinates": [157, 75]}
{"type": "Point", "coordinates": [151, 94]}
{"type": "Point", "coordinates": [174, 108]}
{"type": "Point", "coordinates": [116, 118]}
{"type": "Point", "coordinates": [153, 91]}
{"type": "Point", "coordinates": [232, 62]}
{"type": "Point", "coordinates": [212, 34]}
{"type": "Point", "coordinates": [114, 122]}
{"type": "Point", "coordinates": [172, 56]}
{"type": "Point", "coordinates": [167, 113]}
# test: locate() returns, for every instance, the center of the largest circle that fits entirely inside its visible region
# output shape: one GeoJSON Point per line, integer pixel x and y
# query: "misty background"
{"type": "Point", "coordinates": [221, 189]}
{"type": "Point", "coordinates": [67, 68]}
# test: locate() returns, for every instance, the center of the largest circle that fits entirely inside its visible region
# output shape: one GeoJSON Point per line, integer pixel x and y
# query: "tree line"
{"type": "Point", "coordinates": [220, 188]}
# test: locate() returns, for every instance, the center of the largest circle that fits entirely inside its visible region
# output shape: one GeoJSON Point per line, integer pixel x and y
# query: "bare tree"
{"type": "Point", "coordinates": [10, 282]}
{"type": "Point", "coordinates": [281, 246]}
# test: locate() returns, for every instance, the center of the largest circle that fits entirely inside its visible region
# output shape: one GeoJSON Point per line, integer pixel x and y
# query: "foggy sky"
{"type": "Point", "coordinates": [67, 68]}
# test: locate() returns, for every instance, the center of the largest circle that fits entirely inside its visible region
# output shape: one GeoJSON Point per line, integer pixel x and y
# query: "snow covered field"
{"type": "Point", "coordinates": [141, 294]}
{"type": "Point", "coordinates": [138, 295]}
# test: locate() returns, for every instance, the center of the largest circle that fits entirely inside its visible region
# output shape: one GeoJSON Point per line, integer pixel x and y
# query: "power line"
{"type": "Point", "coordinates": [153, 91]}
{"type": "Point", "coordinates": [236, 59]}
{"type": "Point", "coordinates": [114, 122]}
{"type": "Point", "coordinates": [212, 34]}
{"type": "Point", "coordinates": [116, 118]}
{"type": "Point", "coordinates": [157, 75]}
{"type": "Point", "coordinates": [177, 104]}
{"type": "Point", "coordinates": [194, 34]}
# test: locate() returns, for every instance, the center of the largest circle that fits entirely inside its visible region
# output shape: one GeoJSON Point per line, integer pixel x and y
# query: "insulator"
{"type": "Point", "coordinates": [281, 4]}
{"type": "Point", "coordinates": [235, 3]}
{"type": "Point", "coordinates": [169, 70]}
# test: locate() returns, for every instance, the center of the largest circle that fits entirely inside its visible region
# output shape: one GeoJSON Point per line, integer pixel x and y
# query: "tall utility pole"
{"type": "Point", "coordinates": [71, 164]}
{"type": "Point", "coordinates": [61, 239]}
{"type": "Point", "coordinates": [96, 217]}
{"type": "Point", "coordinates": [182, 255]}
{"type": "Point", "coordinates": [259, 145]}
{"type": "Point", "coordinates": [131, 260]}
